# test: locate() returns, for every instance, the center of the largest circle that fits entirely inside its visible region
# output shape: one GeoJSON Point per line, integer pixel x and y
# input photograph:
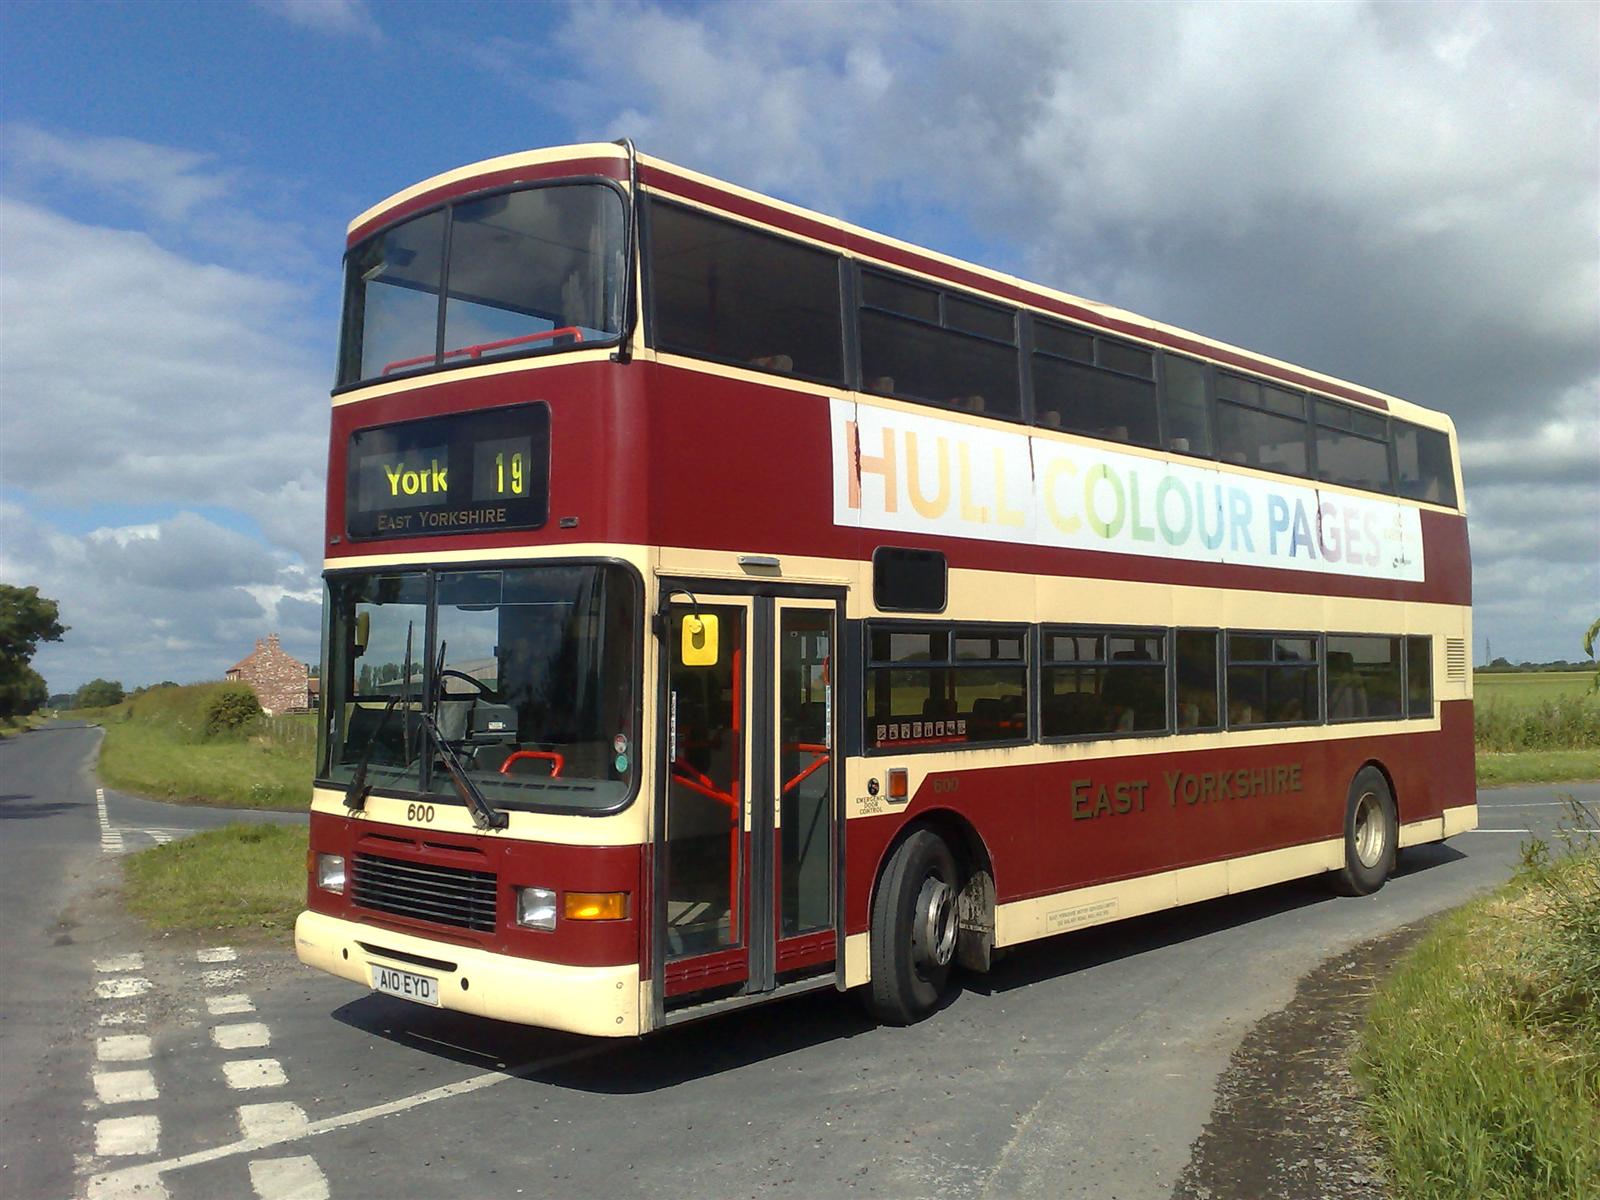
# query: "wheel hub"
{"type": "Point", "coordinates": [1369, 830]}
{"type": "Point", "coordinates": [933, 932]}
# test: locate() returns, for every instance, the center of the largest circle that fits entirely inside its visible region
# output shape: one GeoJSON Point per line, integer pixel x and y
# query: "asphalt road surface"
{"type": "Point", "coordinates": [1085, 1066]}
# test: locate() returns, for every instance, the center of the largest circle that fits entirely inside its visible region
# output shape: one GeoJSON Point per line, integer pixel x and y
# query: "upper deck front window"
{"type": "Point", "coordinates": [525, 272]}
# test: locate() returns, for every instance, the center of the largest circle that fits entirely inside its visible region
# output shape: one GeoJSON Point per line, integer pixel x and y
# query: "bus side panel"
{"type": "Point", "coordinates": [1053, 827]}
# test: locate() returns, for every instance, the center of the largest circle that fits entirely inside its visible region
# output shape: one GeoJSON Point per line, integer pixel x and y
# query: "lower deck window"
{"type": "Point", "coordinates": [1272, 680]}
{"type": "Point", "coordinates": [1363, 678]}
{"type": "Point", "coordinates": [946, 686]}
{"type": "Point", "coordinates": [1103, 682]}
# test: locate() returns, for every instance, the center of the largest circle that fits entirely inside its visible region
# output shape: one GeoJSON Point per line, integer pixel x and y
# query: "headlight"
{"type": "Point", "coordinates": [330, 872]}
{"type": "Point", "coordinates": [536, 908]}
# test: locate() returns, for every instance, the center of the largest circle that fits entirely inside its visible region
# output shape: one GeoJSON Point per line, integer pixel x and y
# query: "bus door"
{"type": "Point", "coordinates": [747, 817]}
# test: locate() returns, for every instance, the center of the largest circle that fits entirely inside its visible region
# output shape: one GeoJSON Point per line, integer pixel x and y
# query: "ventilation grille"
{"type": "Point", "coordinates": [1455, 658]}
{"type": "Point", "coordinates": [425, 892]}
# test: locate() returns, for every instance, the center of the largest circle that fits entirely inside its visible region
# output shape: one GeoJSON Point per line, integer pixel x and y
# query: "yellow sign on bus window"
{"type": "Point", "coordinates": [699, 647]}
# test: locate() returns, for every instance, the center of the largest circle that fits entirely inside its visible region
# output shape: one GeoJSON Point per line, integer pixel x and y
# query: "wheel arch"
{"type": "Point", "coordinates": [1378, 765]}
{"type": "Point", "coordinates": [957, 832]}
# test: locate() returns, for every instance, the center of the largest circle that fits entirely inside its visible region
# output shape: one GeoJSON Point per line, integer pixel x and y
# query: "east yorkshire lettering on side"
{"type": "Point", "coordinates": [924, 474]}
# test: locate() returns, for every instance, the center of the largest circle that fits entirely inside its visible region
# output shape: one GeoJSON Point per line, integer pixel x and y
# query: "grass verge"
{"type": "Point", "coordinates": [160, 744]}
{"type": "Point", "coordinates": [1481, 1054]}
{"type": "Point", "coordinates": [238, 878]}
{"type": "Point", "coordinates": [1537, 766]}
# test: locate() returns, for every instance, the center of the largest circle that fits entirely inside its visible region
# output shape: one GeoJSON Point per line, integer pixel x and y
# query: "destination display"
{"type": "Point", "coordinates": [463, 473]}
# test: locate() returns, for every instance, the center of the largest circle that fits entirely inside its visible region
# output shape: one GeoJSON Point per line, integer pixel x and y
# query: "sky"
{"type": "Point", "coordinates": [1407, 196]}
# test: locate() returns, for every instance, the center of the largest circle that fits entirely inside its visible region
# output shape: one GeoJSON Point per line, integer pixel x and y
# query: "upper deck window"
{"type": "Point", "coordinates": [1259, 425]}
{"type": "Point", "coordinates": [526, 272]}
{"type": "Point", "coordinates": [1093, 385]}
{"type": "Point", "coordinates": [722, 291]}
{"type": "Point", "coordinates": [1426, 472]}
{"type": "Point", "coordinates": [925, 343]}
{"type": "Point", "coordinates": [1352, 446]}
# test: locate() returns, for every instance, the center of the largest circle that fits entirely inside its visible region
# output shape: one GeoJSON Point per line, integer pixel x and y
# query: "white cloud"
{"type": "Point", "coordinates": [168, 183]}
{"type": "Point", "coordinates": [1399, 195]}
{"type": "Point", "coordinates": [335, 18]}
{"type": "Point", "coordinates": [182, 599]}
{"type": "Point", "coordinates": [131, 374]}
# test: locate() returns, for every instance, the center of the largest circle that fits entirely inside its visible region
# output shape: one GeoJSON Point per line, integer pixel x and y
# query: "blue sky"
{"type": "Point", "coordinates": [1400, 195]}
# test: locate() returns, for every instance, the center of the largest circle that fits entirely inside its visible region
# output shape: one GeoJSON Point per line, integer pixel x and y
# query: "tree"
{"type": "Point", "coordinates": [26, 619]}
{"type": "Point", "coordinates": [98, 693]}
{"type": "Point", "coordinates": [1589, 640]}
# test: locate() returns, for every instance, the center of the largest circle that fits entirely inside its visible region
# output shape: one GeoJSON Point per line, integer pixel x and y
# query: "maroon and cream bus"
{"type": "Point", "coordinates": [725, 602]}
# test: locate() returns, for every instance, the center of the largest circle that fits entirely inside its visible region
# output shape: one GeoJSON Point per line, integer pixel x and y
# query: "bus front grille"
{"type": "Point", "coordinates": [425, 892]}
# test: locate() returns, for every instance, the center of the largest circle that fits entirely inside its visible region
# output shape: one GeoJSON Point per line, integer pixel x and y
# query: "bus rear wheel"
{"type": "Point", "coordinates": [1371, 835]}
{"type": "Point", "coordinates": [913, 930]}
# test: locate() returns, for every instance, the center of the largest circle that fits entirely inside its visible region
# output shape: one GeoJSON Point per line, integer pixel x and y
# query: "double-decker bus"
{"type": "Point", "coordinates": [724, 601]}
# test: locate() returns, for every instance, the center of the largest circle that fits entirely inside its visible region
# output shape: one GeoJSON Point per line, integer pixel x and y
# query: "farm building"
{"type": "Point", "coordinates": [281, 682]}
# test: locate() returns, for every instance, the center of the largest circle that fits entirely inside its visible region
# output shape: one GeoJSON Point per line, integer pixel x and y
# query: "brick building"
{"type": "Point", "coordinates": [280, 681]}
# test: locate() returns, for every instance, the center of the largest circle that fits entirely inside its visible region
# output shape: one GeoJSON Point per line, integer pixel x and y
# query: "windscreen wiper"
{"type": "Point", "coordinates": [484, 814]}
{"type": "Point", "coordinates": [355, 796]}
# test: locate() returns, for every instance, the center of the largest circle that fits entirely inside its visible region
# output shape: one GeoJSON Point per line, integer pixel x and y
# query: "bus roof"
{"type": "Point", "coordinates": [682, 183]}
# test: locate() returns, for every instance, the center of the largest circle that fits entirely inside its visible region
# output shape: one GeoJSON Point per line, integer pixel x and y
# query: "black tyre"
{"type": "Point", "coordinates": [1371, 835]}
{"type": "Point", "coordinates": [913, 930]}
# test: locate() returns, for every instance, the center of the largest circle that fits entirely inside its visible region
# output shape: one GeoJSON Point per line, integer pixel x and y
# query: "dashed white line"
{"type": "Point", "coordinates": [123, 1047]}
{"type": "Point", "coordinates": [230, 1005]}
{"type": "Point", "coordinates": [118, 963]}
{"type": "Point", "coordinates": [123, 1016]}
{"type": "Point", "coordinates": [216, 954]}
{"type": "Point", "coordinates": [279, 1121]}
{"type": "Point", "coordinates": [1467, 831]}
{"type": "Point", "coordinates": [250, 1073]}
{"type": "Point", "coordinates": [122, 988]}
{"type": "Point", "coordinates": [121, 1087]}
{"type": "Point", "coordinates": [246, 1036]}
{"type": "Point", "coordinates": [221, 977]}
{"type": "Point", "coordinates": [110, 837]}
{"type": "Point", "coordinates": [296, 1178]}
{"type": "Point", "coordinates": [118, 1136]}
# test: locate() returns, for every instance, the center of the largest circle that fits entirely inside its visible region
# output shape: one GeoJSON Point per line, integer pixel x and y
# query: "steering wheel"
{"type": "Point", "coordinates": [482, 688]}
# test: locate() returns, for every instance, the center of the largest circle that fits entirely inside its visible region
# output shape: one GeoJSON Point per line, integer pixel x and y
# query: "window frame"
{"type": "Point", "coordinates": [1021, 630]}
{"type": "Point", "coordinates": [1327, 678]}
{"type": "Point", "coordinates": [865, 271]}
{"type": "Point", "coordinates": [1319, 662]}
{"type": "Point", "coordinates": [1047, 630]}
{"type": "Point", "coordinates": [448, 206]}
{"type": "Point", "coordinates": [652, 322]}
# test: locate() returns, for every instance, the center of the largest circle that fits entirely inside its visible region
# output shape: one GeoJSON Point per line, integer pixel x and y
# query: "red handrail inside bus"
{"type": "Point", "coordinates": [477, 351]}
{"type": "Point", "coordinates": [823, 755]}
{"type": "Point", "coordinates": [555, 758]}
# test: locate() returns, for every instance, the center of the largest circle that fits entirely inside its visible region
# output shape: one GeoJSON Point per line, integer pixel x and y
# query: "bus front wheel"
{"type": "Point", "coordinates": [913, 929]}
{"type": "Point", "coordinates": [1371, 835]}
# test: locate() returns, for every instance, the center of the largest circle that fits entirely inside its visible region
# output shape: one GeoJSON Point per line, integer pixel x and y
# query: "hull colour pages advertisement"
{"type": "Point", "coordinates": [925, 474]}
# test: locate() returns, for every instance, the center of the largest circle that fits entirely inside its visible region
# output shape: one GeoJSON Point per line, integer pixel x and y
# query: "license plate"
{"type": "Point", "coordinates": [423, 989]}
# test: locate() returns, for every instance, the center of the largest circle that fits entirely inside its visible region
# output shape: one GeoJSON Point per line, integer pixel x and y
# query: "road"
{"type": "Point", "coordinates": [1081, 1067]}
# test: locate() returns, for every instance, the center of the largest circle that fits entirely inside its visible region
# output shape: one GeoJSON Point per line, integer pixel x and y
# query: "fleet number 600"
{"type": "Point", "coordinates": [419, 812]}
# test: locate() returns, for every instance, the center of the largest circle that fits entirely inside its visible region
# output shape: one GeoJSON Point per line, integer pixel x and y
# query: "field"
{"type": "Point", "coordinates": [1536, 727]}
{"type": "Point", "coordinates": [240, 878]}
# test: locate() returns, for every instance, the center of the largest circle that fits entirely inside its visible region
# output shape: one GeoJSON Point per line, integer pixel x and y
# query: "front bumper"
{"type": "Point", "coordinates": [598, 1001]}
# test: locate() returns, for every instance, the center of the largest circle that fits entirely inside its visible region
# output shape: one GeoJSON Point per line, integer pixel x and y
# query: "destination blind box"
{"type": "Point", "coordinates": [462, 473]}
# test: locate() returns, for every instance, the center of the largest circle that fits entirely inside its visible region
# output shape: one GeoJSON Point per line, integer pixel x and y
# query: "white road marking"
{"type": "Point", "coordinates": [288, 1179]}
{"type": "Point", "coordinates": [279, 1121]}
{"type": "Point", "coordinates": [110, 837]}
{"type": "Point", "coordinates": [159, 836]}
{"type": "Point", "coordinates": [123, 1047]}
{"type": "Point", "coordinates": [1467, 831]}
{"type": "Point", "coordinates": [240, 1037]}
{"type": "Point", "coordinates": [249, 1073]}
{"type": "Point", "coordinates": [122, 988]}
{"type": "Point", "coordinates": [127, 1135]}
{"type": "Point", "coordinates": [120, 1087]}
{"type": "Point", "coordinates": [118, 963]}
{"type": "Point", "coordinates": [475, 1083]}
{"type": "Point", "coordinates": [130, 1183]}
{"type": "Point", "coordinates": [123, 1016]}
{"type": "Point", "coordinates": [216, 954]}
{"type": "Point", "coordinates": [221, 977]}
{"type": "Point", "coordinates": [1536, 804]}
{"type": "Point", "coordinates": [230, 1005]}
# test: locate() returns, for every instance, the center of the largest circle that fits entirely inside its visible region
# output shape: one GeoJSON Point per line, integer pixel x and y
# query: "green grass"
{"type": "Point", "coordinates": [1536, 727]}
{"type": "Point", "coordinates": [1537, 766]}
{"type": "Point", "coordinates": [156, 745]}
{"type": "Point", "coordinates": [1529, 687]}
{"type": "Point", "coordinates": [1481, 1054]}
{"type": "Point", "coordinates": [238, 878]}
